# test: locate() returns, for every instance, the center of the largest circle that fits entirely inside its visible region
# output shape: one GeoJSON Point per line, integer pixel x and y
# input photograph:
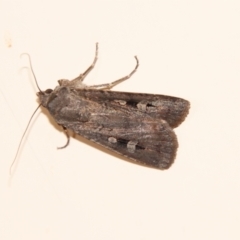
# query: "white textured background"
{"type": "Point", "coordinates": [189, 49]}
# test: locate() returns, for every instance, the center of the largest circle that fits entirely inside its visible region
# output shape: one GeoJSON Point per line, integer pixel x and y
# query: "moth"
{"type": "Point", "coordinates": [138, 126]}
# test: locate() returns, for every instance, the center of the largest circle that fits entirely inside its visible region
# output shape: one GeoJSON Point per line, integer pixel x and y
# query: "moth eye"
{"type": "Point", "coordinates": [48, 91]}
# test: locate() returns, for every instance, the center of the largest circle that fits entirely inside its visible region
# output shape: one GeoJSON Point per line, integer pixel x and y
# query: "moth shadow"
{"type": "Point", "coordinates": [88, 142]}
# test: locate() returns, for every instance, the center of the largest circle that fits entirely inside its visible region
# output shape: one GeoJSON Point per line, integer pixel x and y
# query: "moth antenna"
{"type": "Point", "coordinates": [30, 63]}
{"type": "Point", "coordinates": [19, 145]}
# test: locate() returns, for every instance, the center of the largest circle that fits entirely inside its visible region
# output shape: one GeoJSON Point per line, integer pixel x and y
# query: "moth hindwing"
{"type": "Point", "coordinates": [136, 125]}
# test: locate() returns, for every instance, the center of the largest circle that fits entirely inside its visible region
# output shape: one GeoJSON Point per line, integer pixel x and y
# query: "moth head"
{"type": "Point", "coordinates": [44, 96]}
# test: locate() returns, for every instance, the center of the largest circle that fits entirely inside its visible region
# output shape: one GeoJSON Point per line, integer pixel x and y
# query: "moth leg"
{"type": "Point", "coordinates": [83, 75]}
{"type": "Point", "coordinates": [68, 138]}
{"type": "Point", "coordinates": [108, 86]}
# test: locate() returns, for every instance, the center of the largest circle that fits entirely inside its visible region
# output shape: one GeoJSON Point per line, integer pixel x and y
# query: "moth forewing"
{"type": "Point", "coordinates": [172, 109]}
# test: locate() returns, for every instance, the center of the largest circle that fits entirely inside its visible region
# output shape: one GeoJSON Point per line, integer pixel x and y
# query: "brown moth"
{"type": "Point", "coordinates": [138, 126]}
